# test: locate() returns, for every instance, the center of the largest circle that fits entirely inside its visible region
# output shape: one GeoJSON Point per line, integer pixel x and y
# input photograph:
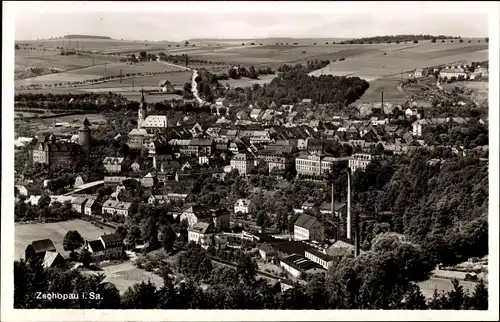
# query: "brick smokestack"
{"type": "Point", "coordinates": [349, 218]}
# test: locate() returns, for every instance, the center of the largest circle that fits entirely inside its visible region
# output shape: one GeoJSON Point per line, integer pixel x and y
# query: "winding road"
{"type": "Point", "coordinates": [194, 88]}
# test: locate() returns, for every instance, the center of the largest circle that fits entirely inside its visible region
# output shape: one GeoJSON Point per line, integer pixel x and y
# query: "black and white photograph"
{"type": "Point", "coordinates": [242, 160]}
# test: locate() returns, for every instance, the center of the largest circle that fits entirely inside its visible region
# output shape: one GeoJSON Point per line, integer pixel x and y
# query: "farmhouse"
{"type": "Point", "coordinates": [453, 72]}
{"type": "Point", "coordinates": [45, 250]}
{"type": "Point", "coordinates": [166, 86]}
{"type": "Point", "coordinates": [418, 72]}
{"type": "Point", "coordinates": [92, 207]}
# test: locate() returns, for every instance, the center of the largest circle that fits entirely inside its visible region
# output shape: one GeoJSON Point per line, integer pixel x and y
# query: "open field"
{"type": "Point", "coordinates": [391, 92]}
{"type": "Point", "coordinates": [95, 72]}
{"type": "Point", "coordinates": [389, 61]}
{"type": "Point", "coordinates": [37, 125]}
{"type": "Point", "coordinates": [442, 284]}
{"type": "Point", "coordinates": [29, 59]}
{"type": "Point", "coordinates": [26, 233]}
{"type": "Point", "coordinates": [245, 82]}
{"type": "Point", "coordinates": [126, 274]}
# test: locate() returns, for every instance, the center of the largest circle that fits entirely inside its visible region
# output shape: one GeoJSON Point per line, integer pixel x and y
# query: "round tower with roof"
{"type": "Point", "coordinates": [84, 135]}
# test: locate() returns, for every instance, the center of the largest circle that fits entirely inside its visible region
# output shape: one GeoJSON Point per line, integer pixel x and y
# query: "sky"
{"type": "Point", "coordinates": [177, 21]}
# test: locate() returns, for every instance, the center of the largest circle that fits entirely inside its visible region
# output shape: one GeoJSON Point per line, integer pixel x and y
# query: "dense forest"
{"type": "Point", "coordinates": [394, 39]}
{"type": "Point", "coordinates": [442, 207]}
{"type": "Point", "coordinates": [294, 84]}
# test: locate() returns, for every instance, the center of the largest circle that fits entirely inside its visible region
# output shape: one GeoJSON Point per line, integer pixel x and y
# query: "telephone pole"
{"type": "Point", "coordinates": [105, 63]}
{"type": "Point", "coordinates": [120, 76]}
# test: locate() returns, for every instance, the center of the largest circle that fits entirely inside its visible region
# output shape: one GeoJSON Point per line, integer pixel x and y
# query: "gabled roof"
{"type": "Point", "coordinates": [43, 245]}
{"type": "Point", "coordinates": [96, 245]}
{"type": "Point", "coordinates": [202, 228]}
{"type": "Point", "coordinates": [50, 257]}
{"type": "Point", "coordinates": [111, 238]}
{"type": "Point", "coordinates": [306, 221]}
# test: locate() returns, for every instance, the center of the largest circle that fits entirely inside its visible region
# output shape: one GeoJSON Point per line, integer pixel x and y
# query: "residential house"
{"type": "Point", "coordinates": [409, 112]}
{"type": "Point", "coordinates": [77, 204]}
{"type": "Point", "coordinates": [242, 115]}
{"type": "Point", "coordinates": [149, 180]}
{"type": "Point", "coordinates": [255, 113]}
{"type": "Point", "coordinates": [418, 72]}
{"type": "Point", "coordinates": [28, 190]}
{"type": "Point", "coordinates": [195, 146]}
{"type": "Point", "coordinates": [112, 207]}
{"type": "Point", "coordinates": [92, 207]}
{"type": "Point", "coordinates": [166, 198]}
{"type": "Point", "coordinates": [108, 246]}
{"type": "Point", "coordinates": [135, 166]}
{"type": "Point", "coordinates": [222, 102]}
{"type": "Point", "coordinates": [208, 213]}
{"type": "Point", "coordinates": [408, 137]}
{"type": "Point", "coordinates": [307, 101]}
{"type": "Point", "coordinates": [308, 228]}
{"type": "Point", "coordinates": [244, 206]}
{"type": "Point", "coordinates": [113, 164]}
{"type": "Point", "coordinates": [78, 181]}
{"type": "Point", "coordinates": [244, 162]}
{"type": "Point", "coordinates": [202, 233]}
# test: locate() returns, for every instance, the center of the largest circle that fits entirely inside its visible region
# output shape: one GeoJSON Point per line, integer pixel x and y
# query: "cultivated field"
{"type": "Point", "coordinates": [29, 59]}
{"type": "Point", "coordinates": [26, 233]}
{"type": "Point", "coordinates": [389, 61]}
{"type": "Point", "coordinates": [392, 93]}
{"type": "Point", "coordinates": [95, 72]}
{"type": "Point", "coordinates": [126, 274]}
{"type": "Point", "coordinates": [37, 125]}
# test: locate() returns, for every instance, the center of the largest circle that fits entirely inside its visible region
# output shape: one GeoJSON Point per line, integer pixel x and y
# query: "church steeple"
{"type": "Point", "coordinates": [141, 114]}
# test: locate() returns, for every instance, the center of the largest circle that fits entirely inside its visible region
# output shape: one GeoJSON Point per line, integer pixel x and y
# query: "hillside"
{"type": "Point", "coordinates": [86, 37]}
{"type": "Point", "coordinates": [396, 38]}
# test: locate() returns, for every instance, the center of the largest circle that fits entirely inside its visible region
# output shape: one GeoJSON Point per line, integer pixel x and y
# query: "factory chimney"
{"type": "Point", "coordinates": [349, 219]}
{"type": "Point", "coordinates": [333, 201]}
{"type": "Point", "coordinates": [382, 102]}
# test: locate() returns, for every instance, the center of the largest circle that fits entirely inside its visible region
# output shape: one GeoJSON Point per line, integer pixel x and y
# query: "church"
{"type": "Point", "coordinates": [146, 125]}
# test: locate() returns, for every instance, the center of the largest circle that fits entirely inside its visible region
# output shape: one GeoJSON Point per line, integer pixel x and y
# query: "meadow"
{"type": "Point", "coordinates": [27, 233]}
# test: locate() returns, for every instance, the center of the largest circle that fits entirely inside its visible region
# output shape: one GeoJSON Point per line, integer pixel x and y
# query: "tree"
{"type": "Point", "coordinates": [169, 237]}
{"type": "Point", "coordinates": [247, 267]}
{"type": "Point", "coordinates": [44, 201]}
{"type": "Point", "coordinates": [143, 55]}
{"type": "Point", "coordinates": [479, 299]}
{"type": "Point", "coordinates": [72, 241]}
{"type": "Point", "coordinates": [415, 41]}
{"type": "Point", "coordinates": [140, 296]}
{"type": "Point", "coordinates": [433, 40]}
{"type": "Point", "coordinates": [149, 231]}
{"type": "Point", "coordinates": [85, 257]}
{"type": "Point", "coordinates": [16, 47]}
{"type": "Point", "coordinates": [487, 39]}
{"type": "Point", "coordinates": [186, 43]}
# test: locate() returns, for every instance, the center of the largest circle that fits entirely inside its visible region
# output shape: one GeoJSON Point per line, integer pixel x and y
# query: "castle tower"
{"type": "Point", "coordinates": [141, 113]}
{"type": "Point", "coordinates": [84, 135]}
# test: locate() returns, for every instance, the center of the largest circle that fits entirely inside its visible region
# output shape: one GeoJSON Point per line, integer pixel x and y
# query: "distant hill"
{"type": "Point", "coordinates": [86, 37]}
{"type": "Point", "coordinates": [267, 40]}
{"type": "Point", "coordinates": [395, 39]}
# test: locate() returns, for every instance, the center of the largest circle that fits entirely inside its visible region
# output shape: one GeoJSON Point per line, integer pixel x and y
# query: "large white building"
{"type": "Point", "coordinates": [359, 161]}
{"type": "Point", "coordinates": [314, 165]}
{"type": "Point", "coordinates": [112, 207]}
{"type": "Point", "coordinates": [308, 228]}
{"type": "Point", "coordinates": [244, 162]}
